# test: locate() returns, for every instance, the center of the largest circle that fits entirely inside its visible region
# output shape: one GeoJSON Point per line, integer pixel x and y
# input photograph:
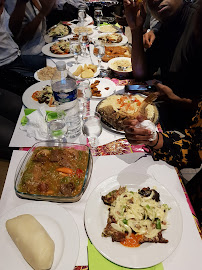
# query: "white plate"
{"type": "Point", "coordinates": [122, 43]}
{"type": "Point", "coordinates": [102, 30]}
{"type": "Point", "coordinates": [59, 224]}
{"type": "Point", "coordinates": [147, 254]}
{"type": "Point", "coordinates": [88, 26]}
{"type": "Point", "coordinates": [46, 50]}
{"type": "Point", "coordinates": [36, 76]}
{"type": "Point", "coordinates": [88, 20]}
{"type": "Point", "coordinates": [102, 85]}
{"type": "Point", "coordinates": [29, 102]}
{"type": "Point", "coordinates": [73, 69]}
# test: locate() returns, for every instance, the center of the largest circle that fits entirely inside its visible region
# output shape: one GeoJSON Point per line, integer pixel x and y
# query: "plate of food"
{"type": "Point", "coordinates": [108, 28]}
{"type": "Point", "coordinates": [116, 108]}
{"type": "Point", "coordinates": [37, 228]}
{"type": "Point", "coordinates": [83, 71]}
{"type": "Point", "coordinates": [79, 29]}
{"type": "Point", "coordinates": [59, 49]}
{"type": "Point", "coordinates": [133, 221]}
{"type": "Point", "coordinates": [101, 87]}
{"type": "Point", "coordinates": [44, 74]}
{"type": "Point", "coordinates": [113, 39]}
{"type": "Point", "coordinates": [59, 30]}
{"type": "Point", "coordinates": [116, 51]}
{"type": "Point", "coordinates": [39, 95]}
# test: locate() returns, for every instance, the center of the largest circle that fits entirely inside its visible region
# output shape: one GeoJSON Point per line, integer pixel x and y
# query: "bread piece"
{"type": "Point", "coordinates": [78, 71]}
{"type": "Point", "coordinates": [32, 240]}
{"type": "Point", "coordinates": [88, 73]}
{"type": "Point", "coordinates": [92, 67]}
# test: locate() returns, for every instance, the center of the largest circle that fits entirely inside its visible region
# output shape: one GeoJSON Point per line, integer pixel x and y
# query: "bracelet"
{"type": "Point", "coordinates": [156, 141]}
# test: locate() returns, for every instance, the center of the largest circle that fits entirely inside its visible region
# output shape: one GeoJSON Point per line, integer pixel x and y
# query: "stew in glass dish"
{"type": "Point", "coordinates": [54, 171]}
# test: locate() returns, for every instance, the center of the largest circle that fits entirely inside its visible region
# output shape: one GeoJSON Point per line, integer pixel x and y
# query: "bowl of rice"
{"type": "Point", "coordinates": [121, 66]}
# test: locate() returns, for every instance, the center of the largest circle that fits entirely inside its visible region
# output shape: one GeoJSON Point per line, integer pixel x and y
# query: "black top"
{"type": "Point", "coordinates": [178, 54]}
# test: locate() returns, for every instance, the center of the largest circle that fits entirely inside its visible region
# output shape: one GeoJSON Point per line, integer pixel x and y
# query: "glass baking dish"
{"type": "Point", "coordinates": [22, 167]}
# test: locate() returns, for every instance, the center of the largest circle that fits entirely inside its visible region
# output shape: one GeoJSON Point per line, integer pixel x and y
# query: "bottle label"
{"type": "Point", "coordinates": [63, 97]}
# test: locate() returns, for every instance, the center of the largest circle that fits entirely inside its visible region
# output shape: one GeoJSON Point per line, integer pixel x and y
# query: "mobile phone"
{"type": "Point", "coordinates": [139, 88]}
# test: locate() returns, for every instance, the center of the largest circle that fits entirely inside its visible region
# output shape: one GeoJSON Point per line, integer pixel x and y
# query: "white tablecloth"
{"type": "Point", "coordinates": [186, 256]}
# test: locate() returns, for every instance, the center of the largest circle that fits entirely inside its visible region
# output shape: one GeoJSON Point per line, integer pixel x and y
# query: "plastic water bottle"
{"type": "Point", "coordinates": [65, 94]}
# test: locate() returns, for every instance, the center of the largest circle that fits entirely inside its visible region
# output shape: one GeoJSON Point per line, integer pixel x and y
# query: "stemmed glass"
{"type": "Point", "coordinates": [92, 127]}
{"type": "Point", "coordinates": [83, 95]}
{"type": "Point", "coordinates": [75, 49]}
{"type": "Point", "coordinates": [97, 15]}
{"type": "Point", "coordinates": [84, 41]}
{"type": "Point", "coordinates": [99, 51]}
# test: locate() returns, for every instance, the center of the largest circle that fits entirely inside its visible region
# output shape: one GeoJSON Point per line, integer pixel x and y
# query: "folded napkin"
{"type": "Point", "coordinates": [97, 262]}
{"type": "Point", "coordinates": [34, 124]}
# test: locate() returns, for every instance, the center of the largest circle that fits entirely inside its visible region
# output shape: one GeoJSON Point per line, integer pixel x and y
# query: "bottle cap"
{"type": "Point", "coordinates": [61, 65]}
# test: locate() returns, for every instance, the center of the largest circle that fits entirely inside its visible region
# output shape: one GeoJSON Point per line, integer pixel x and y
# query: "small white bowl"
{"type": "Point", "coordinates": [120, 73]}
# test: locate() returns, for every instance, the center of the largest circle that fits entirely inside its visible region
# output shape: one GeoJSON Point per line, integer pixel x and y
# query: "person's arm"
{"type": "Point", "coordinates": [170, 146]}
{"type": "Point", "coordinates": [16, 19]}
{"type": "Point", "coordinates": [135, 16]}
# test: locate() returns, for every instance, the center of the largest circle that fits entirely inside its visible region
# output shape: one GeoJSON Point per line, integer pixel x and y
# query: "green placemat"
{"type": "Point", "coordinates": [98, 262]}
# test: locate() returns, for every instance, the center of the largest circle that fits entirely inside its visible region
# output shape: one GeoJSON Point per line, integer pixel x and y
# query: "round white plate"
{"type": "Point", "coordinates": [103, 29]}
{"type": "Point", "coordinates": [74, 68]}
{"type": "Point", "coordinates": [46, 50]}
{"type": "Point", "coordinates": [88, 20]}
{"type": "Point", "coordinates": [59, 224]}
{"type": "Point", "coordinates": [29, 102]}
{"type": "Point", "coordinates": [122, 43]}
{"type": "Point", "coordinates": [88, 26]}
{"type": "Point", "coordinates": [102, 85]}
{"type": "Point", "coordinates": [147, 254]}
{"type": "Point", "coordinates": [36, 76]}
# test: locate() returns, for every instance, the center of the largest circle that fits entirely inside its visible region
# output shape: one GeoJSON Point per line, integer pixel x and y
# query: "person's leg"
{"type": "Point", "coordinates": [10, 105]}
{"type": "Point", "coordinates": [35, 62]}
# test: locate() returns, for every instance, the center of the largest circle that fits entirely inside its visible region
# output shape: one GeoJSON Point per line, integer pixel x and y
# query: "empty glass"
{"type": "Point", "coordinates": [75, 49]}
{"type": "Point", "coordinates": [81, 16]}
{"type": "Point", "coordinates": [83, 95]}
{"type": "Point", "coordinates": [92, 127]}
{"type": "Point", "coordinates": [57, 128]}
{"type": "Point", "coordinates": [98, 14]}
{"type": "Point", "coordinates": [84, 41]}
{"type": "Point", "coordinates": [99, 51]}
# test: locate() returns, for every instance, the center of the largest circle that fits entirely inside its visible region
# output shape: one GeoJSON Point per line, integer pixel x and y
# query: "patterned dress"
{"type": "Point", "coordinates": [184, 151]}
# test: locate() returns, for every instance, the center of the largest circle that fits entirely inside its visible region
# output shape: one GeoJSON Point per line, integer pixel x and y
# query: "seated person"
{"type": "Point", "coordinates": [177, 150]}
{"type": "Point", "coordinates": [11, 65]}
{"type": "Point", "coordinates": [10, 106]}
{"type": "Point", "coordinates": [28, 25]}
{"type": "Point", "coordinates": [175, 51]}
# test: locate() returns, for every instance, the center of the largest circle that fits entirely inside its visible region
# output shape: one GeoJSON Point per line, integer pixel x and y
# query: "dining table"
{"type": "Point", "coordinates": [113, 157]}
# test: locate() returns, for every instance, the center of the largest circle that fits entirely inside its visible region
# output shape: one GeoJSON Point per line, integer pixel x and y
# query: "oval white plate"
{"type": "Point", "coordinates": [59, 224]}
{"type": "Point", "coordinates": [122, 43]}
{"type": "Point", "coordinates": [102, 85]}
{"type": "Point", "coordinates": [73, 69]}
{"type": "Point", "coordinates": [147, 254]}
{"type": "Point", "coordinates": [46, 50]}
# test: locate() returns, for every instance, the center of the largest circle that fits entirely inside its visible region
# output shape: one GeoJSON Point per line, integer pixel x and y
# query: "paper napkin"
{"type": "Point", "coordinates": [98, 262]}
{"type": "Point", "coordinates": [35, 125]}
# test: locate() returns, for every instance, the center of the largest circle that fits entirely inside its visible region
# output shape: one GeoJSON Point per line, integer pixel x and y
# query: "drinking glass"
{"type": "Point", "coordinates": [98, 14]}
{"type": "Point", "coordinates": [75, 49]}
{"type": "Point", "coordinates": [99, 51]}
{"type": "Point", "coordinates": [92, 127]}
{"type": "Point", "coordinates": [84, 41]}
{"type": "Point", "coordinates": [83, 95]}
{"type": "Point", "coordinates": [81, 16]}
{"type": "Point", "coordinates": [57, 128]}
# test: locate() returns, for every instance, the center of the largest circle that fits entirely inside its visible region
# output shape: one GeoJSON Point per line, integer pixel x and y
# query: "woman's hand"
{"type": "Point", "coordinates": [135, 13]}
{"type": "Point", "coordinates": [148, 39]}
